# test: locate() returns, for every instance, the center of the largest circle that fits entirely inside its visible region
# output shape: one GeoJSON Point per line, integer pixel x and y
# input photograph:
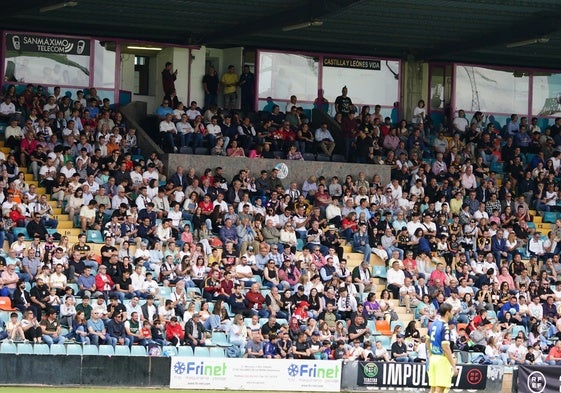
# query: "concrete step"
{"type": "Point", "coordinates": [65, 224]}
{"type": "Point", "coordinates": [69, 231]}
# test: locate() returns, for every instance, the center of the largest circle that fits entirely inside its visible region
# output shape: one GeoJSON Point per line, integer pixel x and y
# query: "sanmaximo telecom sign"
{"type": "Point", "coordinates": [36, 43]}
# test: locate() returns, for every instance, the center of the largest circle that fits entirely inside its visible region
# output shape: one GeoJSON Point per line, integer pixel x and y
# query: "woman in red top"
{"type": "Point", "coordinates": [349, 226]}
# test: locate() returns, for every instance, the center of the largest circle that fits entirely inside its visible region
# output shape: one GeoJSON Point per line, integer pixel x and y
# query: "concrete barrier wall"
{"type": "Point", "coordinates": [85, 370]}
{"type": "Point", "coordinates": [298, 171]}
{"type": "Point", "coordinates": [131, 371]}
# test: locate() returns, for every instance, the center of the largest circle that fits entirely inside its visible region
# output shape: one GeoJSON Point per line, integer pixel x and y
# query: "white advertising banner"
{"type": "Point", "coordinates": [255, 374]}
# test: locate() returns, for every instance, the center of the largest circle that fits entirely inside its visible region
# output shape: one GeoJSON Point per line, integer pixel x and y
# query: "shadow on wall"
{"type": "Point", "coordinates": [147, 127]}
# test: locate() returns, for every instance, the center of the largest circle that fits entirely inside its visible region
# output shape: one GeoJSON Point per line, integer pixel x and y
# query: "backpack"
{"type": "Point", "coordinates": [233, 351]}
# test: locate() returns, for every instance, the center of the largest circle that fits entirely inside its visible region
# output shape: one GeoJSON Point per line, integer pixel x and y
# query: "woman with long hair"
{"type": "Point", "coordinates": [80, 329]}
{"type": "Point", "coordinates": [238, 333]}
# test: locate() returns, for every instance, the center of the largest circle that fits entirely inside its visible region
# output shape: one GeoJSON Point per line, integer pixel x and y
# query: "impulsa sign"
{"type": "Point", "coordinates": [414, 375]}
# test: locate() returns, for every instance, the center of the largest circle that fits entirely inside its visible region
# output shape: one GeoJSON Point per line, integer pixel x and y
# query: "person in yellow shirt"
{"type": "Point", "coordinates": [229, 83]}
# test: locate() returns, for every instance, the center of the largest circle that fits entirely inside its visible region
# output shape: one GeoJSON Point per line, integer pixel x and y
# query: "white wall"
{"type": "Point", "coordinates": [181, 63]}
{"type": "Point", "coordinates": [127, 71]}
{"type": "Point", "coordinates": [197, 72]}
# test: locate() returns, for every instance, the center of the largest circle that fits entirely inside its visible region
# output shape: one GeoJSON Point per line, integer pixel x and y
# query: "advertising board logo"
{"type": "Point", "coordinates": [370, 370]}
{"type": "Point", "coordinates": [200, 368]}
{"type": "Point", "coordinates": [312, 371]}
{"type": "Point", "coordinates": [536, 382]}
{"type": "Point", "coordinates": [474, 376]}
{"type": "Point", "coordinates": [16, 42]}
{"type": "Point", "coordinates": [179, 367]}
{"type": "Point", "coordinates": [80, 45]}
{"type": "Point", "coordinates": [283, 170]}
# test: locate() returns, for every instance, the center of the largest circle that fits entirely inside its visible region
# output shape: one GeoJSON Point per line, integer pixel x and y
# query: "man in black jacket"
{"type": "Point", "coordinates": [36, 228]}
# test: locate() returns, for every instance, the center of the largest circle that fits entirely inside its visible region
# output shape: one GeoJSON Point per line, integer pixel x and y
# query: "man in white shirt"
{"type": "Point", "coordinates": [325, 139]}
{"type": "Point", "coordinates": [535, 245]}
{"type": "Point", "coordinates": [7, 109]}
{"type": "Point", "coordinates": [214, 132]}
{"type": "Point", "coordinates": [407, 295]}
{"type": "Point", "coordinates": [192, 112]}
{"type": "Point", "coordinates": [13, 134]}
{"type": "Point", "coordinates": [68, 169]}
{"type": "Point", "coordinates": [221, 202]}
{"type": "Point", "coordinates": [142, 199]}
{"type": "Point", "coordinates": [168, 130]}
{"type": "Point", "coordinates": [395, 279]}
{"type": "Point", "coordinates": [414, 224]}
{"type": "Point", "coordinates": [133, 306]}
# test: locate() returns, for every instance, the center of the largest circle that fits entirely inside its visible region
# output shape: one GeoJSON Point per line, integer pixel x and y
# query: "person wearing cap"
{"type": "Point", "coordinates": [194, 331]}
{"type": "Point", "coordinates": [331, 241]}
{"type": "Point", "coordinates": [103, 281]}
{"type": "Point", "coordinates": [399, 350]}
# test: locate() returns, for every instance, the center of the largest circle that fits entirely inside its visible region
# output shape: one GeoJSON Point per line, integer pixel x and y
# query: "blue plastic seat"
{"type": "Point", "coordinates": [74, 349]}
{"type": "Point", "coordinates": [393, 324]}
{"type": "Point", "coordinates": [90, 350]}
{"type": "Point", "coordinates": [201, 352]}
{"type": "Point", "coordinates": [549, 217]}
{"type": "Point", "coordinates": [106, 350]}
{"type": "Point", "coordinates": [169, 350]}
{"type": "Point", "coordinates": [185, 351]}
{"type": "Point", "coordinates": [26, 349]}
{"type": "Point", "coordinates": [379, 272]}
{"type": "Point", "coordinates": [138, 350]}
{"type": "Point", "coordinates": [58, 349]}
{"type": "Point", "coordinates": [122, 350]}
{"type": "Point", "coordinates": [219, 338]}
{"type": "Point", "coordinates": [93, 236]}
{"type": "Point", "coordinates": [17, 230]}
{"type": "Point", "coordinates": [385, 340]}
{"type": "Point", "coordinates": [217, 352]}
{"type": "Point", "coordinates": [8, 348]}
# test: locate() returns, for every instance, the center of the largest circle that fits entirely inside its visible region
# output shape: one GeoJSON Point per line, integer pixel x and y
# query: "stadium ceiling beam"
{"type": "Point", "coordinates": [308, 11]}
{"type": "Point", "coordinates": [532, 27]}
{"type": "Point", "coordinates": [15, 7]}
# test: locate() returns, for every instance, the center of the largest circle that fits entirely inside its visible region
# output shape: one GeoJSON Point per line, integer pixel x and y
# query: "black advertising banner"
{"type": "Point", "coordinates": [414, 375]}
{"type": "Point", "coordinates": [36, 43]}
{"type": "Point", "coordinates": [343, 62]}
{"type": "Point", "coordinates": [539, 379]}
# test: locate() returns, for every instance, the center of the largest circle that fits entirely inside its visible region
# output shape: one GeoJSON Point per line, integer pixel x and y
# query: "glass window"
{"type": "Point", "coordinates": [365, 86]}
{"type": "Point", "coordinates": [104, 70]}
{"type": "Point", "coordinates": [546, 95]}
{"type": "Point", "coordinates": [282, 75]}
{"type": "Point", "coordinates": [491, 91]}
{"type": "Point", "coordinates": [437, 91]}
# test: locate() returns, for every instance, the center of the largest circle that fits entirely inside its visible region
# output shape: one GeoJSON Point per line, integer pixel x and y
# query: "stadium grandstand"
{"type": "Point", "coordinates": [110, 251]}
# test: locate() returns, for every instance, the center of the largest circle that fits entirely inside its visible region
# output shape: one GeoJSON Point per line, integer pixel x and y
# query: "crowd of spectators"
{"type": "Point", "coordinates": [214, 254]}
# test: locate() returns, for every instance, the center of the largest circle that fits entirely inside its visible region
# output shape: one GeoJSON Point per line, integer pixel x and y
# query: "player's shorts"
{"type": "Point", "coordinates": [440, 371]}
